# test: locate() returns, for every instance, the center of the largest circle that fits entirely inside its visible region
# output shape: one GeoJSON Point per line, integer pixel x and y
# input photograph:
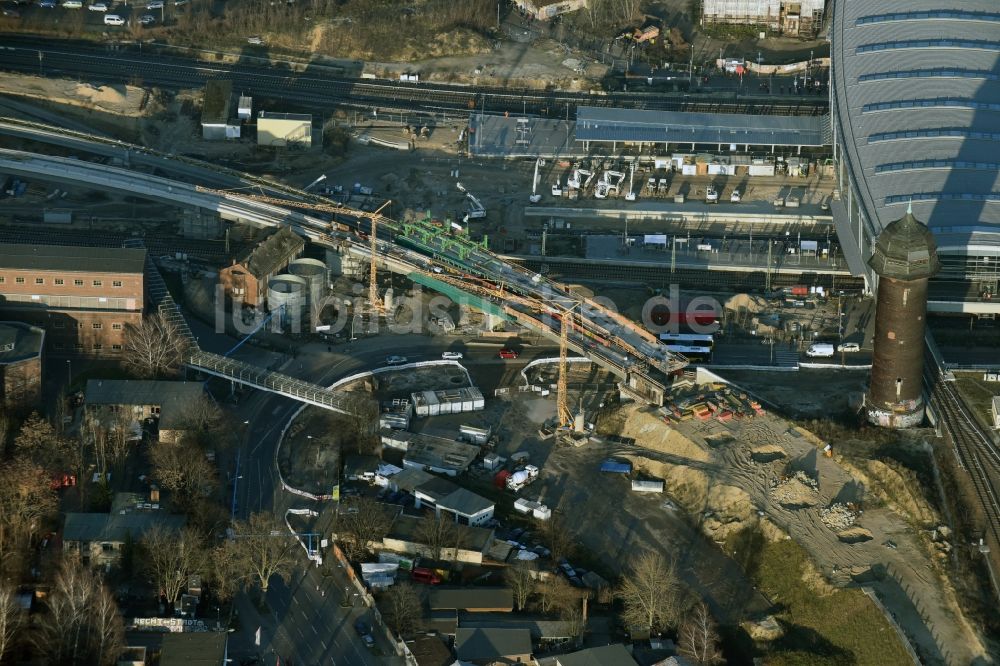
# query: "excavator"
{"type": "Point", "coordinates": [535, 196]}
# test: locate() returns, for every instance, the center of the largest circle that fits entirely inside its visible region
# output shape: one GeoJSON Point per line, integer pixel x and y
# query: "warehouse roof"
{"type": "Point", "coordinates": [441, 455]}
{"type": "Point", "coordinates": [465, 502]}
{"type": "Point", "coordinates": [916, 96]}
{"type": "Point", "coordinates": [273, 253]}
{"type": "Point", "coordinates": [609, 124]}
{"type": "Point", "coordinates": [72, 258]}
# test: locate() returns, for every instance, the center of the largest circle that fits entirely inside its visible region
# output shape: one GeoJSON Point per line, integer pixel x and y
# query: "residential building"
{"type": "Point", "coordinates": [465, 506]}
{"type": "Point", "coordinates": [169, 403]}
{"type": "Point", "coordinates": [473, 599]}
{"type": "Point", "coordinates": [84, 297]}
{"type": "Point", "coordinates": [98, 538]}
{"type": "Point", "coordinates": [605, 655]}
{"type": "Point", "coordinates": [429, 650]}
{"type": "Point", "coordinates": [788, 17]}
{"type": "Point", "coordinates": [245, 281]}
{"type": "Point", "coordinates": [543, 10]}
{"type": "Point", "coordinates": [489, 647]}
{"type": "Point", "coordinates": [284, 130]}
{"type": "Point", "coordinates": [21, 347]}
{"type": "Point", "coordinates": [217, 122]}
{"type": "Point", "coordinates": [404, 537]}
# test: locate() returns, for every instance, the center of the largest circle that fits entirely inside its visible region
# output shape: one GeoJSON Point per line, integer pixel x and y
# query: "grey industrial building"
{"type": "Point", "coordinates": [916, 112]}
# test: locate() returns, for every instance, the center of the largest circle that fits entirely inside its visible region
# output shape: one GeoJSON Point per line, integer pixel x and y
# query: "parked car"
{"type": "Point", "coordinates": [508, 353]}
{"type": "Point", "coordinates": [113, 19]}
{"type": "Point", "coordinates": [154, 4]}
{"type": "Point", "coordinates": [98, 7]}
{"type": "Point", "coordinates": [849, 347]}
{"type": "Point", "coordinates": [47, 4]}
{"type": "Point", "coordinates": [147, 19]}
{"type": "Point", "coordinates": [424, 575]}
{"type": "Point", "coordinates": [395, 360]}
{"type": "Point", "coordinates": [364, 632]}
{"type": "Point", "coordinates": [452, 356]}
{"type": "Point", "coordinates": [72, 4]}
{"type": "Point", "coordinates": [255, 41]}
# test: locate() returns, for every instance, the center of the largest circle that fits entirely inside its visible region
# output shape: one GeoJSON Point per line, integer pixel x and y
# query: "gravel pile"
{"type": "Point", "coordinates": [797, 491]}
{"type": "Point", "coordinates": [838, 517]}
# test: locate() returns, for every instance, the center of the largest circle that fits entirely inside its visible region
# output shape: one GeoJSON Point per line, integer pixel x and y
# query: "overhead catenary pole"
{"type": "Point", "coordinates": [564, 414]}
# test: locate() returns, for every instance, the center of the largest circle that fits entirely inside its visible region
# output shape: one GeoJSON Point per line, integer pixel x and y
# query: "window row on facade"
{"type": "Point", "coordinates": [21, 279]}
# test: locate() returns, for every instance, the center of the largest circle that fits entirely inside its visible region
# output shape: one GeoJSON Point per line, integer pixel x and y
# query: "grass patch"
{"type": "Point", "coordinates": [839, 628]}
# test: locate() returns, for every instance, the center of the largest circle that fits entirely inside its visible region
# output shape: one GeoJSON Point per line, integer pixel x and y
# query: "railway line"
{"type": "Point", "coordinates": [976, 453]}
{"type": "Point", "coordinates": [318, 87]}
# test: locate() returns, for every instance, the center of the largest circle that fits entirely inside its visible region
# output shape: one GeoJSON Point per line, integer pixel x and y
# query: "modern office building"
{"type": "Point", "coordinates": [916, 119]}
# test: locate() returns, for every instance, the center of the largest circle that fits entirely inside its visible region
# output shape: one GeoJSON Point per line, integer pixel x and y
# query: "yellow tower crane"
{"type": "Point", "coordinates": [562, 387]}
{"type": "Point", "coordinates": [373, 301]}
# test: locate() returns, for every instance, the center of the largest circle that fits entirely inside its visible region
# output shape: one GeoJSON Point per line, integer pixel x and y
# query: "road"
{"type": "Point", "coordinates": [318, 88]}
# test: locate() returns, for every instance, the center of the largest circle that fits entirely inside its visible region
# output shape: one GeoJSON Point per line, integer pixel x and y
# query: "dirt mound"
{"type": "Point", "coordinates": [772, 532]}
{"type": "Point", "coordinates": [796, 492]}
{"type": "Point", "coordinates": [897, 487]}
{"type": "Point", "coordinates": [746, 301]}
{"type": "Point", "coordinates": [855, 535]}
{"type": "Point", "coordinates": [729, 508]}
{"type": "Point", "coordinates": [767, 453]}
{"type": "Point", "coordinates": [650, 432]}
{"type": "Point", "coordinates": [768, 629]}
{"type": "Point", "coordinates": [689, 487]}
{"type": "Point", "coordinates": [815, 581]}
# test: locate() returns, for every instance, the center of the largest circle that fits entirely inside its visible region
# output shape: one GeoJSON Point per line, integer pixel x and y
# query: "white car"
{"type": "Point", "coordinates": [147, 19]}
{"type": "Point", "coordinates": [72, 4]}
{"type": "Point", "coordinates": [98, 7]}
{"type": "Point", "coordinates": [849, 347]}
{"type": "Point", "coordinates": [452, 356]}
{"type": "Point", "coordinates": [112, 19]}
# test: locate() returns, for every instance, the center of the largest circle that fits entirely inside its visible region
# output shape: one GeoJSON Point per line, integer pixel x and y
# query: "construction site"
{"type": "Point", "coordinates": [640, 326]}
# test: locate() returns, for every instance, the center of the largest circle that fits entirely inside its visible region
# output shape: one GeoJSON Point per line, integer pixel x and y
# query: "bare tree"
{"type": "Point", "coordinates": [650, 591]}
{"type": "Point", "coordinates": [573, 619]}
{"type": "Point", "coordinates": [154, 348]}
{"type": "Point", "coordinates": [554, 592]}
{"type": "Point", "coordinates": [401, 608]}
{"type": "Point", "coordinates": [108, 628]}
{"type": "Point", "coordinates": [11, 619]}
{"type": "Point", "coordinates": [171, 558]}
{"type": "Point", "coordinates": [436, 533]}
{"type": "Point", "coordinates": [263, 548]}
{"type": "Point", "coordinates": [363, 521]}
{"type": "Point", "coordinates": [224, 571]}
{"type": "Point", "coordinates": [698, 638]}
{"type": "Point", "coordinates": [26, 499]}
{"type": "Point", "coordinates": [521, 581]}
{"type": "Point", "coordinates": [82, 625]}
{"type": "Point", "coordinates": [556, 537]}
{"type": "Point", "coordinates": [182, 468]}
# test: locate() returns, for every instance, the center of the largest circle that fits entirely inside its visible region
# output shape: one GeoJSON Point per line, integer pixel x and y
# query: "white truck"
{"type": "Point", "coordinates": [820, 350]}
{"type": "Point", "coordinates": [522, 477]}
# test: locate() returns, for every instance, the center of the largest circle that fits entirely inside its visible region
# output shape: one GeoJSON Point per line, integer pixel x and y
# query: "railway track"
{"type": "Point", "coordinates": [319, 87]}
{"type": "Point", "coordinates": [976, 453]}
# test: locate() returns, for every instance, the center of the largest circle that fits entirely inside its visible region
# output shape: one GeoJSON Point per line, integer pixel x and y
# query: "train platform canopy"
{"type": "Point", "coordinates": [607, 125]}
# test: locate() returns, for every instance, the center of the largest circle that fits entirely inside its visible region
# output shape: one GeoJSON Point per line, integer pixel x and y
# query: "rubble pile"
{"type": "Point", "coordinates": [795, 492]}
{"type": "Point", "coordinates": [838, 516]}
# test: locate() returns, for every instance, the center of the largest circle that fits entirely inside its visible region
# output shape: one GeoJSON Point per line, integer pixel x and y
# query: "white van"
{"type": "Point", "coordinates": [72, 4]}
{"type": "Point", "coordinates": [820, 350]}
{"type": "Point", "coordinates": [113, 19]}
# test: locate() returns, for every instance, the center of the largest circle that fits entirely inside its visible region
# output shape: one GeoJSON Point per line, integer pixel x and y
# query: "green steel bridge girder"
{"type": "Point", "coordinates": [454, 293]}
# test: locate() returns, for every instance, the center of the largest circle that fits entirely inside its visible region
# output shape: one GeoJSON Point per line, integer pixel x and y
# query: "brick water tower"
{"type": "Point", "coordinates": [905, 257]}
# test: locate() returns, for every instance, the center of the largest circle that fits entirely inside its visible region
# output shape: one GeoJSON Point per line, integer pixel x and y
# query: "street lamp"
{"type": "Point", "coordinates": [69, 373]}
